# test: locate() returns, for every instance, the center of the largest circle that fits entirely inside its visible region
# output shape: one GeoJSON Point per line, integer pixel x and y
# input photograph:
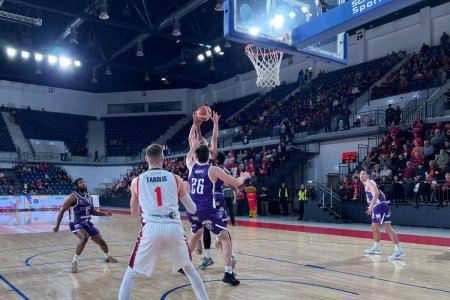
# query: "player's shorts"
{"type": "Point", "coordinates": [156, 239]}
{"type": "Point", "coordinates": [221, 206]}
{"type": "Point", "coordinates": [210, 219]}
{"type": "Point", "coordinates": [381, 213]}
{"type": "Point", "coordinates": [88, 226]}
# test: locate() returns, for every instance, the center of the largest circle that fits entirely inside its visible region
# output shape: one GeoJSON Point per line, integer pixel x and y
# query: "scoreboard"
{"type": "Point", "coordinates": [349, 157]}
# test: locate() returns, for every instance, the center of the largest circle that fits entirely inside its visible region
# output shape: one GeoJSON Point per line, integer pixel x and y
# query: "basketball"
{"type": "Point", "coordinates": [204, 113]}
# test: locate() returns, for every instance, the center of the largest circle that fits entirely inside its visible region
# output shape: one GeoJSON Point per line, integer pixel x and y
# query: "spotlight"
{"type": "Point", "coordinates": [200, 57]}
{"type": "Point", "coordinates": [277, 22]}
{"type": "Point", "coordinates": [176, 27]}
{"type": "Point", "coordinates": [254, 31]}
{"type": "Point", "coordinates": [38, 57]}
{"type": "Point", "coordinates": [221, 53]}
{"type": "Point", "coordinates": [217, 49]}
{"type": "Point", "coordinates": [139, 51]}
{"type": "Point", "coordinates": [64, 62]}
{"type": "Point", "coordinates": [108, 71]}
{"type": "Point", "coordinates": [292, 15]}
{"type": "Point", "coordinates": [77, 63]}
{"type": "Point", "coordinates": [208, 53]}
{"type": "Point", "coordinates": [146, 78]}
{"type": "Point", "coordinates": [11, 52]}
{"type": "Point", "coordinates": [163, 78]}
{"type": "Point", "coordinates": [304, 9]}
{"type": "Point", "coordinates": [104, 11]}
{"type": "Point", "coordinates": [219, 5]}
{"type": "Point", "coordinates": [52, 59]}
{"type": "Point", "coordinates": [25, 54]}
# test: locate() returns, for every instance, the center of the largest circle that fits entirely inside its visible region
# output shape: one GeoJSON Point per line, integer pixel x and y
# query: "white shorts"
{"type": "Point", "coordinates": [158, 239]}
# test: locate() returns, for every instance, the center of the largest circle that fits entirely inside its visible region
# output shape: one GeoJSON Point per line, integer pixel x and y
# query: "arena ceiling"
{"type": "Point", "coordinates": [113, 42]}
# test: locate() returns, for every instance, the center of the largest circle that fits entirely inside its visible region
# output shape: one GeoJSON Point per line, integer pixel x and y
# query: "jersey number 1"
{"type": "Point", "coordinates": [158, 196]}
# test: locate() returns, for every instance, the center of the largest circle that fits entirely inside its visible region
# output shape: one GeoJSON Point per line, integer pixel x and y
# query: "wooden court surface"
{"type": "Point", "coordinates": [272, 264]}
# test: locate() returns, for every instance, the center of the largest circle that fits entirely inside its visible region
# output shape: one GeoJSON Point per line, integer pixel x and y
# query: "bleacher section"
{"type": "Point", "coordinates": [129, 135]}
{"type": "Point", "coordinates": [43, 125]}
{"type": "Point", "coordinates": [7, 142]}
{"type": "Point", "coordinates": [327, 96]}
{"type": "Point", "coordinates": [426, 69]}
{"type": "Point", "coordinates": [43, 179]}
{"type": "Point", "coordinates": [225, 110]}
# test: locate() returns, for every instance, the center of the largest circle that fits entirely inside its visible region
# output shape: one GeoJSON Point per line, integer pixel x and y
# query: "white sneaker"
{"type": "Point", "coordinates": [397, 254]}
{"type": "Point", "coordinates": [373, 250]}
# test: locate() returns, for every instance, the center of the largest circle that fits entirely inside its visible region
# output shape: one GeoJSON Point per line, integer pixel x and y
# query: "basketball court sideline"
{"type": "Point", "coordinates": [282, 263]}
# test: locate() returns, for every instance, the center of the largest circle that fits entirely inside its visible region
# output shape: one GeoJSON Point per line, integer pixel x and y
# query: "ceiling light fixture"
{"type": "Point", "coordinates": [176, 27]}
{"type": "Point", "coordinates": [52, 59]}
{"type": "Point", "coordinates": [208, 53]}
{"type": "Point", "coordinates": [11, 52]}
{"type": "Point", "coordinates": [25, 54]}
{"type": "Point", "coordinates": [200, 57]}
{"type": "Point", "coordinates": [217, 49]}
{"type": "Point", "coordinates": [104, 11]}
{"type": "Point", "coordinates": [219, 5]}
{"type": "Point", "coordinates": [139, 51]}
{"type": "Point", "coordinates": [77, 63]}
{"type": "Point", "coordinates": [38, 57]}
{"type": "Point", "coordinates": [108, 71]}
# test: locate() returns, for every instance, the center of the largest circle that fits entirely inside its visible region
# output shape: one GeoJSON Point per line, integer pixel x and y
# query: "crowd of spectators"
{"type": "Point", "coordinates": [410, 165]}
{"type": "Point", "coordinates": [430, 67]}
{"type": "Point", "coordinates": [317, 102]}
{"type": "Point", "coordinates": [43, 178]}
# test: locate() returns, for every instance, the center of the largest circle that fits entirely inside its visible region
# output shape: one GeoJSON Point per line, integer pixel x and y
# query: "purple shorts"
{"type": "Point", "coordinates": [210, 219]}
{"type": "Point", "coordinates": [221, 206]}
{"type": "Point", "coordinates": [88, 226]}
{"type": "Point", "coordinates": [381, 213]}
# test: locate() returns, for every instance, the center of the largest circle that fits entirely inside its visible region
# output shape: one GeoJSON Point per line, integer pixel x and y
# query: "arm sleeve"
{"type": "Point", "coordinates": [189, 204]}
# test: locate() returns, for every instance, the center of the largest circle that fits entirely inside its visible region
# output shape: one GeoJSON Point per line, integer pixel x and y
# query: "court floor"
{"type": "Point", "coordinates": [278, 258]}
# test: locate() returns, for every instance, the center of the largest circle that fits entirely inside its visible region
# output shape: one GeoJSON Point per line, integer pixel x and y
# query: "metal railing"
{"type": "Point", "coordinates": [409, 112]}
{"type": "Point", "coordinates": [328, 199]}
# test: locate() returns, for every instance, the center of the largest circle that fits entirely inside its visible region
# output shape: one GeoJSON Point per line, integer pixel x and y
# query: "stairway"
{"type": "Point", "coordinates": [17, 135]}
{"type": "Point", "coordinates": [96, 138]}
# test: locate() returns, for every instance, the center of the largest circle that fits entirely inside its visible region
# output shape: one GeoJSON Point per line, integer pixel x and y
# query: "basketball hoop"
{"type": "Point", "coordinates": [267, 64]}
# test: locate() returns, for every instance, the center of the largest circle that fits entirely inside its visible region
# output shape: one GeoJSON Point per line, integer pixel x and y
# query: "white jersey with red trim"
{"type": "Point", "coordinates": [158, 196]}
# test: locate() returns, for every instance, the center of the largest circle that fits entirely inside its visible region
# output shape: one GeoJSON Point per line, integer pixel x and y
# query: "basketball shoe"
{"type": "Point", "coordinates": [373, 250]}
{"type": "Point", "coordinates": [397, 255]}
{"type": "Point", "coordinates": [74, 267]}
{"type": "Point", "coordinates": [206, 263]}
{"type": "Point", "coordinates": [109, 259]}
{"type": "Point", "coordinates": [230, 279]}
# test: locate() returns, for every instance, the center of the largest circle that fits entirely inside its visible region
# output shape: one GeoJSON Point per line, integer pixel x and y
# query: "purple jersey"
{"type": "Point", "coordinates": [81, 211]}
{"type": "Point", "coordinates": [202, 188]}
{"type": "Point", "coordinates": [380, 196]}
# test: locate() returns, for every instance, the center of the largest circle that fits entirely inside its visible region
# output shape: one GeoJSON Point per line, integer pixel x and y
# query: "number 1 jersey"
{"type": "Point", "coordinates": [158, 196]}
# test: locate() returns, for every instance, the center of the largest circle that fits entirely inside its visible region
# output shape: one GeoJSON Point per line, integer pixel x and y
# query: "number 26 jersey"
{"type": "Point", "coordinates": [202, 187]}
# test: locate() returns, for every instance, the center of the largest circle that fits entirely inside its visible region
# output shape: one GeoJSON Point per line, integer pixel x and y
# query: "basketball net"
{"type": "Point", "coordinates": [267, 64]}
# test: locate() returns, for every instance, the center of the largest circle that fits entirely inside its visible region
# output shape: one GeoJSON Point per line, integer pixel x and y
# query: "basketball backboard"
{"type": "Point", "coordinates": [269, 23]}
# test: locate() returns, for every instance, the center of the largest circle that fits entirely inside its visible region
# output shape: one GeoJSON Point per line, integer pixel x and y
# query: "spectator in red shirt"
{"type": "Point", "coordinates": [417, 159]}
{"type": "Point", "coordinates": [417, 125]}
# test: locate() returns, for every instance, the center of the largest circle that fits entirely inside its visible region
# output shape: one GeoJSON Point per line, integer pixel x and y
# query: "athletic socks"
{"type": "Point", "coordinates": [376, 245]}
{"type": "Point", "coordinates": [75, 258]}
{"type": "Point", "coordinates": [208, 253]}
{"type": "Point", "coordinates": [228, 269]}
{"type": "Point", "coordinates": [397, 247]}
